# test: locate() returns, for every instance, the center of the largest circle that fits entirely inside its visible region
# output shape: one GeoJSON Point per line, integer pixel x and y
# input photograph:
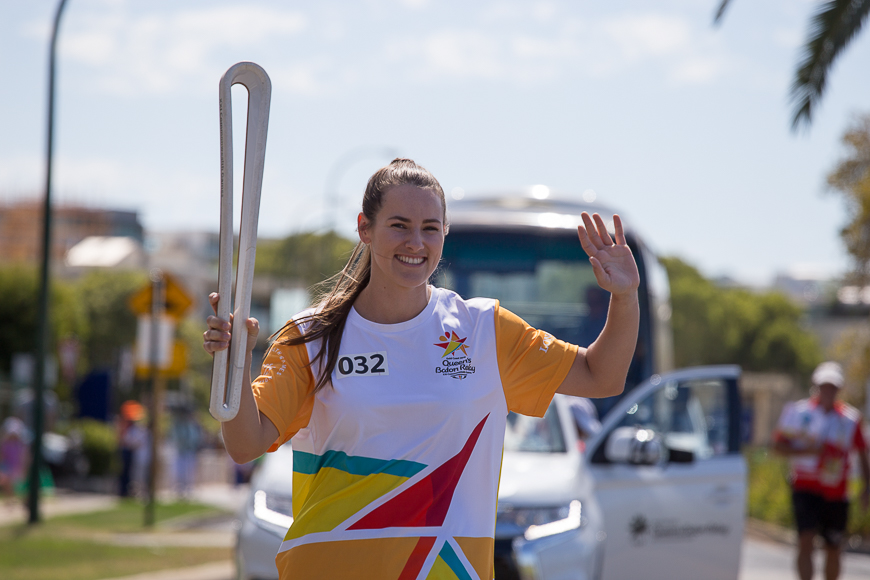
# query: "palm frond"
{"type": "Point", "coordinates": [831, 30]}
{"type": "Point", "coordinates": [720, 11]}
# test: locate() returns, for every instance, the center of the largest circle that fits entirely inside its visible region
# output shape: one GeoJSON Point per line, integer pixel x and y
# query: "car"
{"type": "Point", "coordinates": [658, 492]}
{"type": "Point", "coordinates": [265, 517]}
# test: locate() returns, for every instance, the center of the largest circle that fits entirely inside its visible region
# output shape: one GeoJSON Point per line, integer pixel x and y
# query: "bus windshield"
{"type": "Point", "coordinates": [546, 280]}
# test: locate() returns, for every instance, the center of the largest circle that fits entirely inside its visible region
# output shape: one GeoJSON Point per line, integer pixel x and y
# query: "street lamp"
{"type": "Point", "coordinates": [42, 329]}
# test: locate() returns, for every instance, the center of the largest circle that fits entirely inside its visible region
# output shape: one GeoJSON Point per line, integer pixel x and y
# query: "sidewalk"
{"type": "Point", "coordinates": [62, 502]}
{"type": "Point", "coordinates": [214, 531]}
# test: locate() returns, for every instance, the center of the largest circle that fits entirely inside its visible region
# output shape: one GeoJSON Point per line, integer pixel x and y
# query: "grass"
{"type": "Point", "coordinates": [769, 495]}
{"type": "Point", "coordinates": [74, 547]}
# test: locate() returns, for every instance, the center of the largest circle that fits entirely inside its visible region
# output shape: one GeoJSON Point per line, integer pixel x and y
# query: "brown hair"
{"type": "Point", "coordinates": [335, 296]}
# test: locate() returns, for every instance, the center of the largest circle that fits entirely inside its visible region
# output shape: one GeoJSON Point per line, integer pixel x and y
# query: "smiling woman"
{"type": "Point", "coordinates": [396, 394]}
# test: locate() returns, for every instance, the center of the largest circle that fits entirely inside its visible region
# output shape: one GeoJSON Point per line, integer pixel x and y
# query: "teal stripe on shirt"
{"type": "Point", "coordinates": [453, 562]}
{"type": "Point", "coordinates": [310, 464]}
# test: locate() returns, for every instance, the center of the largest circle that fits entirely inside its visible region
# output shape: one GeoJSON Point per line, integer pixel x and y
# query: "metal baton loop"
{"type": "Point", "coordinates": [228, 370]}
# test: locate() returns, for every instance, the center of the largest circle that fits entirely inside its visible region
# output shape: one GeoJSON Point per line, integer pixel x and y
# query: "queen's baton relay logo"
{"type": "Point", "coordinates": [455, 361]}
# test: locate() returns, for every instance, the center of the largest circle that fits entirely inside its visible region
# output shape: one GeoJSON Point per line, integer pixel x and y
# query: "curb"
{"type": "Point", "coordinates": [212, 571]}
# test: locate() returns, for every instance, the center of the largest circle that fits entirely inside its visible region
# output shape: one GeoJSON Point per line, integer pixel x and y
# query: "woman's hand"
{"type": "Point", "coordinates": [217, 337]}
{"type": "Point", "coordinates": [612, 262]}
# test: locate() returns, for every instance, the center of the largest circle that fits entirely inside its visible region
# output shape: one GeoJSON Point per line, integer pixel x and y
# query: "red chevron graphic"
{"type": "Point", "coordinates": [417, 559]}
{"type": "Point", "coordinates": [426, 502]}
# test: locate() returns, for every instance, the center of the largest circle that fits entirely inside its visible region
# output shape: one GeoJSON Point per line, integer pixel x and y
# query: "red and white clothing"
{"type": "Point", "coordinates": [396, 462]}
{"type": "Point", "coordinates": [806, 424]}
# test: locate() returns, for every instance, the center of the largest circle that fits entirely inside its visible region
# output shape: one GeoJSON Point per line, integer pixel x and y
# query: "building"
{"type": "Point", "coordinates": [21, 229]}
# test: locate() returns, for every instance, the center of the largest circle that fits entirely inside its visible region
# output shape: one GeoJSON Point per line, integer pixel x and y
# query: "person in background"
{"type": "Point", "coordinates": [135, 443]}
{"type": "Point", "coordinates": [13, 455]}
{"type": "Point", "coordinates": [130, 413]}
{"type": "Point", "coordinates": [817, 435]}
{"type": "Point", "coordinates": [585, 418]}
{"type": "Point", "coordinates": [186, 437]}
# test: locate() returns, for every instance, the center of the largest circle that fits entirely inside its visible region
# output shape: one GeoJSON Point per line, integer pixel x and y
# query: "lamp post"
{"type": "Point", "coordinates": [42, 329]}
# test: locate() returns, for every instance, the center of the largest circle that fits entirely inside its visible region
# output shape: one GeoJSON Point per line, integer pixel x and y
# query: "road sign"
{"type": "Point", "coordinates": [176, 365]}
{"type": "Point", "coordinates": [177, 300]}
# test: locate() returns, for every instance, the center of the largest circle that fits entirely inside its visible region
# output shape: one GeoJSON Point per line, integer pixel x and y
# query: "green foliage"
{"type": "Point", "coordinates": [769, 495]}
{"type": "Point", "coordinates": [111, 325]}
{"type": "Point", "coordinates": [19, 290]}
{"type": "Point", "coordinates": [758, 331]}
{"type": "Point", "coordinates": [99, 444]}
{"type": "Point", "coordinates": [851, 177]}
{"type": "Point", "coordinates": [19, 297]}
{"type": "Point", "coordinates": [309, 257]}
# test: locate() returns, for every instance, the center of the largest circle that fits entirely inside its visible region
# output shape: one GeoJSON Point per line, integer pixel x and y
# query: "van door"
{"type": "Point", "coordinates": [670, 479]}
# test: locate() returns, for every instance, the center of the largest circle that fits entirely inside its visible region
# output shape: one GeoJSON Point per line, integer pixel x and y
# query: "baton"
{"type": "Point", "coordinates": [228, 367]}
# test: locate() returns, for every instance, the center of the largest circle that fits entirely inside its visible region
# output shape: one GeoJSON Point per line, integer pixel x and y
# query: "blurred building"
{"type": "Point", "coordinates": [21, 229]}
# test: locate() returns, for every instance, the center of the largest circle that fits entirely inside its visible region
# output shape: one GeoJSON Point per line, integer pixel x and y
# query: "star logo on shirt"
{"type": "Point", "coordinates": [451, 343]}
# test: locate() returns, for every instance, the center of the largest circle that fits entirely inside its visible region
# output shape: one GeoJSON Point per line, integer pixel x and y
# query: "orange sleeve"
{"type": "Point", "coordinates": [284, 391]}
{"type": "Point", "coordinates": [532, 363]}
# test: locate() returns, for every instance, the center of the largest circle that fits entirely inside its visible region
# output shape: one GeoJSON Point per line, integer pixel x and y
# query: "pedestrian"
{"type": "Point", "coordinates": [395, 394]}
{"type": "Point", "coordinates": [186, 437]}
{"type": "Point", "coordinates": [14, 457]}
{"type": "Point", "coordinates": [818, 435]}
{"type": "Point", "coordinates": [585, 418]}
{"type": "Point", "coordinates": [135, 443]}
{"type": "Point", "coordinates": [130, 413]}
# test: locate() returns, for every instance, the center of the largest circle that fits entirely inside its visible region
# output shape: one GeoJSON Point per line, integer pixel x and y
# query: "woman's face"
{"type": "Point", "coordinates": [406, 237]}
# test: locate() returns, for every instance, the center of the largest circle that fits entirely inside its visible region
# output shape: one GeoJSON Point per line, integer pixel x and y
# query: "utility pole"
{"type": "Point", "coordinates": [42, 329]}
{"type": "Point", "coordinates": [158, 309]}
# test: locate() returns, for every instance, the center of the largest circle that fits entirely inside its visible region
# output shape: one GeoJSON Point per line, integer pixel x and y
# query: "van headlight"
{"type": "Point", "coordinates": [273, 508]}
{"type": "Point", "coordinates": [539, 522]}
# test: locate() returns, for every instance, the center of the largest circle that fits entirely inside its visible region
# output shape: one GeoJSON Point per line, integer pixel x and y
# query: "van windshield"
{"type": "Point", "coordinates": [546, 280]}
{"type": "Point", "coordinates": [533, 434]}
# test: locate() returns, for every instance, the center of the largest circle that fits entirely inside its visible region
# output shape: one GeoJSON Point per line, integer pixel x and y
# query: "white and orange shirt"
{"type": "Point", "coordinates": [806, 425]}
{"type": "Point", "coordinates": [396, 461]}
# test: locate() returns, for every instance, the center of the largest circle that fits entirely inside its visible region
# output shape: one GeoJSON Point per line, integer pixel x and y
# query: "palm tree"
{"type": "Point", "coordinates": [831, 29]}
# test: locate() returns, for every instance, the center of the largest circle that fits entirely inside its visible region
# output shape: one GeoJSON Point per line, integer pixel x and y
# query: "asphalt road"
{"type": "Point", "coordinates": [764, 560]}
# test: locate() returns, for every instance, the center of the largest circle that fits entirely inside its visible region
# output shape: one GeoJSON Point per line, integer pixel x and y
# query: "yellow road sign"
{"type": "Point", "coordinates": [177, 300]}
{"type": "Point", "coordinates": [176, 367]}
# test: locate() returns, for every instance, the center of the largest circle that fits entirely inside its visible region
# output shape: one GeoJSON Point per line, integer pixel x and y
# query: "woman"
{"type": "Point", "coordinates": [396, 394]}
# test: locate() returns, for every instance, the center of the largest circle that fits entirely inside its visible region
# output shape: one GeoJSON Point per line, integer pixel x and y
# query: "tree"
{"type": "Point", "coordinates": [851, 177]}
{"type": "Point", "coordinates": [308, 257]}
{"type": "Point", "coordinates": [18, 313]}
{"type": "Point", "coordinates": [758, 331]}
{"type": "Point", "coordinates": [831, 29]}
{"type": "Point", "coordinates": [111, 325]}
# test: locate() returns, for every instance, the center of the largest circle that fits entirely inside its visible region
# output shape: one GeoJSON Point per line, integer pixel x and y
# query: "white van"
{"type": "Point", "coordinates": [658, 492]}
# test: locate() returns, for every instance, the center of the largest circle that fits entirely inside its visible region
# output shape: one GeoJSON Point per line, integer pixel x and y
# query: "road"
{"type": "Point", "coordinates": [764, 560]}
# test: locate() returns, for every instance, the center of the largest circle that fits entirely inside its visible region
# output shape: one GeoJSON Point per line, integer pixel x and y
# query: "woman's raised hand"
{"type": "Point", "coordinates": [612, 261]}
{"type": "Point", "coordinates": [217, 337]}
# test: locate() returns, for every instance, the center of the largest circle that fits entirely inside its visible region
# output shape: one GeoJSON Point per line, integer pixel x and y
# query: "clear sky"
{"type": "Point", "coordinates": [682, 126]}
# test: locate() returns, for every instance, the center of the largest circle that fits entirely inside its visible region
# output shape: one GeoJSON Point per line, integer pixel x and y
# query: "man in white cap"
{"type": "Point", "coordinates": [817, 435]}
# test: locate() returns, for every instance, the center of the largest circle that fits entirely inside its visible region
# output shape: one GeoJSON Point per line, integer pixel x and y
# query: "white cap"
{"type": "Point", "coordinates": [830, 373]}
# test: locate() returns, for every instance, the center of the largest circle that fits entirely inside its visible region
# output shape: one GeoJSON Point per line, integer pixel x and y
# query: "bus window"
{"type": "Point", "coordinates": [544, 277]}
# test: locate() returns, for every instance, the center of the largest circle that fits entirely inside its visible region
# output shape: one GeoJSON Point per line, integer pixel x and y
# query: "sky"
{"type": "Point", "coordinates": [682, 126]}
